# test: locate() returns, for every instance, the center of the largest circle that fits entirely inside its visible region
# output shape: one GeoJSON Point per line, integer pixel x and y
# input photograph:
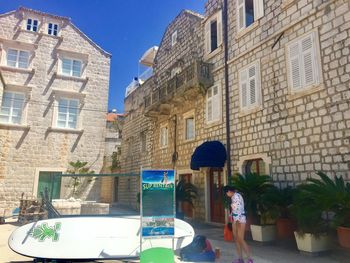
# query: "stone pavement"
{"type": "Point", "coordinates": [284, 252]}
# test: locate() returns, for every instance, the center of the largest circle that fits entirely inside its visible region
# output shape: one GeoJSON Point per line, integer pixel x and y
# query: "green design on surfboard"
{"type": "Point", "coordinates": [43, 231]}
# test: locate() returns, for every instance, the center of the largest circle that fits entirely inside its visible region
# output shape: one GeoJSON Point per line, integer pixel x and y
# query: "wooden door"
{"type": "Point", "coordinates": [216, 181]}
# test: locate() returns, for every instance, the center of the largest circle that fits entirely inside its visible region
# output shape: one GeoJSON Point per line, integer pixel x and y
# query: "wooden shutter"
{"type": "Point", "coordinates": [258, 9]}
{"type": "Point", "coordinates": [244, 90]}
{"type": "Point", "coordinates": [219, 28]}
{"type": "Point", "coordinates": [294, 66]}
{"type": "Point", "coordinates": [252, 85]}
{"type": "Point", "coordinates": [216, 103]}
{"type": "Point", "coordinates": [308, 58]}
{"type": "Point", "coordinates": [207, 37]}
{"type": "Point", "coordinates": [240, 14]}
{"type": "Point", "coordinates": [210, 105]}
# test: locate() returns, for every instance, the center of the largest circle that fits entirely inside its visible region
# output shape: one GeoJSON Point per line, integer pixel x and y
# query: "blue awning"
{"type": "Point", "coordinates": [209, 154]}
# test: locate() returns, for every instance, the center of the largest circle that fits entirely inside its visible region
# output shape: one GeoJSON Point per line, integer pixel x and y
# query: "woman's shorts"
{"type": "Point", "coordinates": [239, 218]}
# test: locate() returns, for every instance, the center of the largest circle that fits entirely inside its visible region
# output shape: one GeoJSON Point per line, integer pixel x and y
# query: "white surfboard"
{"type": "Point", "coordinates": [91, 238]}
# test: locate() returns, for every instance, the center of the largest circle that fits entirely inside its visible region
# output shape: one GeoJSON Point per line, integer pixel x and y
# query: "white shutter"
{"type": "Point", "coordinates": [240, 14]}
{"type": "Point", "coordinates": [219, 28]}
{"type": "Point", "coordinates": [244, 91]}
{"type": "Point", "coordinates": [258, 9]}
{"type": "Point", "coordinates": [207, 37]}
{"type": "Point", "coordinates": [294, 66]}
{"type": "Point", "coordinates": [209, 105]}
{"type": "Point", "coordinates": [252, 86]}
{"type": "Point", "coordinates": [308, 58]}
{"type": "Point", "coordinates": [216, 103]}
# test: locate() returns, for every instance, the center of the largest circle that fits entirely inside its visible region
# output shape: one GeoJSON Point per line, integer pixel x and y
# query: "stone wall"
{"type": "Point", "coordinates": [34, 146]}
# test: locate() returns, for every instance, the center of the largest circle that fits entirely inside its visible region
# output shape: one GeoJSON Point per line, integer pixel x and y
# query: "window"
{"type": "Point", "coordinates": [12, 107]}
{"type": "Point", "coordinates": [174, 38]}
{"type": "Point", "coordinates": [213, 104]}
{"type": "Point", "coordinates": [67, 113]}
{"type": "Point", "coordinates": [303, 62]}
{"type": "Point", "coordinates": [213, 33]}
{"type": "Point", "coordinates": [32, 25]}
{"type": "Point", "coordinates": [143, 142]}
{"type": "Point", "coordinates": [52, 29]}
{"type": "Point", "coordinates": [164, 136]}
{"type": "Point", "coordinates": [189, 122]}
{"type": "Point", "coordinates": [249, 79]}
{"type": "Point", "coordinates": [71, 67]}
{"type": "Point", "coordinates": [17, 58]}
{"type": "Point", "coordinates": [249, 11]}
{"type": "Point", "coordinates": [255, 166]}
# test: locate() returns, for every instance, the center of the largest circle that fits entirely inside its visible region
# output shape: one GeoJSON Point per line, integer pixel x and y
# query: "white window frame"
{"type": "Point", "coordinates": [186, 116]}
{"type": "Point", "coordinates": [31, 26]}
{"type": "Point", "coordinates": [164, 136]}
{"type": "Point", "coordinates": [17, 57]}
{"type": "Point", "coordinates": [207, 32]}
{"type": "Point", "coordinates": [213, 104]}
{"type": "Point", "coordinates": [71, 66]}
{"type": "Point", "coordinates": [174, 38]}
{"type": "Point", "coordinates": [10, 116]}
{"type": "Point", "coordinates": [66, 126]}
{"type": "Point", "coordinates": [245, 79]}
{"type": "Point", "coordinates": [258, 6]}
{"type": "Point", "coordinates": [296, 63]}
{"type": "Point", "coordinates": [52, 30]}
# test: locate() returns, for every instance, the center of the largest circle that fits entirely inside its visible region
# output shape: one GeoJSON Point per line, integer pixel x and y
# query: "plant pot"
{"type": "Point", "coordinates": [344, 236]}
{"type": "Point", "coordinates": [312, 244]}
{"type": "Point", "coordinates": [248, 223]}
{"type": "Point", "coordinates": [285, 228]}
{"type": "Point", "coordinates": [265, 233]}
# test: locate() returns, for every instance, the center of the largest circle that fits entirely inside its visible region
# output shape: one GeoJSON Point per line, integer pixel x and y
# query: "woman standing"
{"type": "Point", "coordinates": [238, 224]}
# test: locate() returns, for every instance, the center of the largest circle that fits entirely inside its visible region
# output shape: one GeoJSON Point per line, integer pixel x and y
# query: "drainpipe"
{"type": "Point", "coordinates": [227, 95]}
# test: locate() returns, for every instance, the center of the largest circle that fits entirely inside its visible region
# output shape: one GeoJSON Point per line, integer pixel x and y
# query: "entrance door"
{"type": "Point", "coordinates": [51, 182]}
{"type": "Point", "coordinates": [116, 186]}
{"type": "Point", "coordinates": [186, 208]}
{"type": "Point", "coordinates": [217, 211]}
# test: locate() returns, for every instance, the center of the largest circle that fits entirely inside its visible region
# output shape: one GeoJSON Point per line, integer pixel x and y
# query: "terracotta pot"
{"type": "Point", "coordinates": [285, 228]}
{"type": "Point", "coordinates": [344, 236]}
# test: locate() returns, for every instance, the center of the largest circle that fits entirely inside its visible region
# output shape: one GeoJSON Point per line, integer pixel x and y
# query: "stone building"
{"type": "Point", "coordinates": [53, 102]}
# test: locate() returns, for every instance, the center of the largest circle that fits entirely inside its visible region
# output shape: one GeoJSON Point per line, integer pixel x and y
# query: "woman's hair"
{"type": "Point", "coordinates": [229, 188]}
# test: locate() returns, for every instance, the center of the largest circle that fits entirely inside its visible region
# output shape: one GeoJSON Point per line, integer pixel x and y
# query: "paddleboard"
{"type": "Point", "coordinates": [91, 238]}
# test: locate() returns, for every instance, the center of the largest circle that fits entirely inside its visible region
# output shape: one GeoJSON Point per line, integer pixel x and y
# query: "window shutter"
{"type": "Point", "coordinates": [244, 91]}
{"type": "Point", "coordinates": [219, 27]}
{"type": "Point", "coordinates": [216, 104]}
{"type": "Point", "coordinates": [258, 9]}
{"type": "Point", "coordinates": [308, 51]}
{"type": "Point", "coordinates": [207, 37]}
{"type": "Point", "coordinates": [209, 105]}
{"type": "Point", "coordinates": [294, 66]}
{"type": "Point", "coordinates": [252, 85]}
{"type": "Point", "coordinates": [240, 14]}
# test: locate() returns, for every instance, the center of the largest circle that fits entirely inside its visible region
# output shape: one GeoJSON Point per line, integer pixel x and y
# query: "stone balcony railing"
{"type": "Point", "coordinates": [197, 75]}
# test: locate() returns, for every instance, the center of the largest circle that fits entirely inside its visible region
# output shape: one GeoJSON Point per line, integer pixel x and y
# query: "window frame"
{"type": "Point", "coordinates": [186, 116]}
{"type": "Point", "coordinates": [174, 38]}
{"type": "Point", "coordinates": [207, 33]}
{"type": "Point", "coordinates": [212, 100]}
{"type": "Point", "coordinates": [164, 137]}
{"type": "Point", "coordinates": [52, 30]}
{"type": "Point", "coordinates": [71, 66]}
{"type": "Point", "coordinates": [258, 9]}
{"type": "Point", "coordinates": [69, 99]}
{"type": "Point", "coordinates": [23, 108]}
{"type": "Point", "coordinates": [17, 57]}
{"type": "Point", "coordinates": [32, 24]}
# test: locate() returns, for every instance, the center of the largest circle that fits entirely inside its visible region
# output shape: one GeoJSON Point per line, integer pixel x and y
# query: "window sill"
{"type": "Point", "coordinates": [189, 140]}
{"type": "Point", "coordinates": [14, 126]}
{"type": "Point", "coordinates": [305, 91]}
{"type": "Point", "coordinates": [247, 30]}
{"type": "Point", "coordinates": [213, 53]}
{"type": "Point", "coordinates": [65, 130]}
{"type": "Point", "coordinates": [69, 93]}
{"type": "Point", "coordinates": [213, 123]}
{"type": "Point", "coordinates": [248, 111]}
{"type": "Point", "coordinates": [53, 36]}
{"type": "Point", "coordinates": [61, 76]}
{"type": "Point", "coordinates": [22, 70]}
{"type": "Point", "coordinates": [287, 3]}
{"type": "Point", "coordinates": [163, 147]}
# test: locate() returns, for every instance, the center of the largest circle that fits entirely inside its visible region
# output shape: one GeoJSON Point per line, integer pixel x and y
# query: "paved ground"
{"type": "Point", "coordinates": [284, 252]}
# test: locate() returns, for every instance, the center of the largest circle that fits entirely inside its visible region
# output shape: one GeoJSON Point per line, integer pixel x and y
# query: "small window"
{"type": "Point", "coordinates": [213, 104]}
{"type": "Point", "coordinates": [213, 33]}
{"type": "Point", "coordinates": [164, 136]}
{"type": "Point", "coordinates": [249, 11]}
{"type": "Point", "coordinates": [250, 86]}
{"type": "Point", "coordinates": [255, 166]}
{"type": "Point", "coordinates": [174, 38]}
{"type": "Point", "coordinates": [67, 113]}
{"type": "Point", "coordinates": [52, 29]}
{"type": "Point", "coordinates": [17, 58]}
{"type": "Point", "coordinates": [12, 107]}
{"type": "Point", "coordinates": [303, 63]}
{"type": "Point", "coordinates": [71, 67]}
{"type": "Point", "coordinates": [190, 132]}
{"type": "Point", "coordinates": [143, 142]}
{"type": "Point", "coordinates": [32, 25]}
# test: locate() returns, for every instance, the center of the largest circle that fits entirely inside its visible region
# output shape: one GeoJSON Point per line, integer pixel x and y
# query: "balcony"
{"type": "Point", "coordinates": [196, 77]}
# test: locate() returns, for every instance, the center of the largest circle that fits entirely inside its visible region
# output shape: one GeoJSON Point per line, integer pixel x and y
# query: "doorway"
{"type": "Point", "coordinates": [116, 187]}
{"type": "Point", "coordinates": [216, 182]}
{"type": "Point", "coordinates": [51, 182]}
{"type": "Point", "coordinates": [186, 208]}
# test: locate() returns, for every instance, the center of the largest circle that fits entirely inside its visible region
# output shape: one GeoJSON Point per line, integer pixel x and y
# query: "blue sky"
{"type": "Point", "coordinates": [124, 28]}
{"type": "Point", "coordinates": [156, 176]}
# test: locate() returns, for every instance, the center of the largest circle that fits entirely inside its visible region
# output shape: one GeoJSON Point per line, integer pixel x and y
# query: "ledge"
{"type": "Point", "coordinates": [72, 53]}
{"type": "Point", "coordinates": [14, 126]}
{"type": "Point", "coordinates": [245, 112]}
{"type": "Point", "coordinates": [213, 53]}
{"type": "Point", "coordinates": [18, 43]}
{"type": "Point", "coordinates": [21, 70]}
{"type": "Point", "coordinates": [53, 36]}
{"type": "Point", "coordinates": [305, 91]}
{"type": "Point", "coordinates": [65, 130]}
{"type": "Point", "coordinates": [61, 76]}
{"type": "Point", "coordinates": [247, 29]}
{"type": "Point", "coordinates": [69, 93]}
{"type": "Point", "coordinates": [18, 87]}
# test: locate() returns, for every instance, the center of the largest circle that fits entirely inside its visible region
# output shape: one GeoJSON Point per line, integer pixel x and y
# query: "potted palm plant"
{"type": "Point", "coordinates": [253, 187]}
{"type": "Point", "coordinates": [185, 193]}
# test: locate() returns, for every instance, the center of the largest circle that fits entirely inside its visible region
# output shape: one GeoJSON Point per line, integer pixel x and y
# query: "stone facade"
{"type": "Point", "coordinates": [36, 144]}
